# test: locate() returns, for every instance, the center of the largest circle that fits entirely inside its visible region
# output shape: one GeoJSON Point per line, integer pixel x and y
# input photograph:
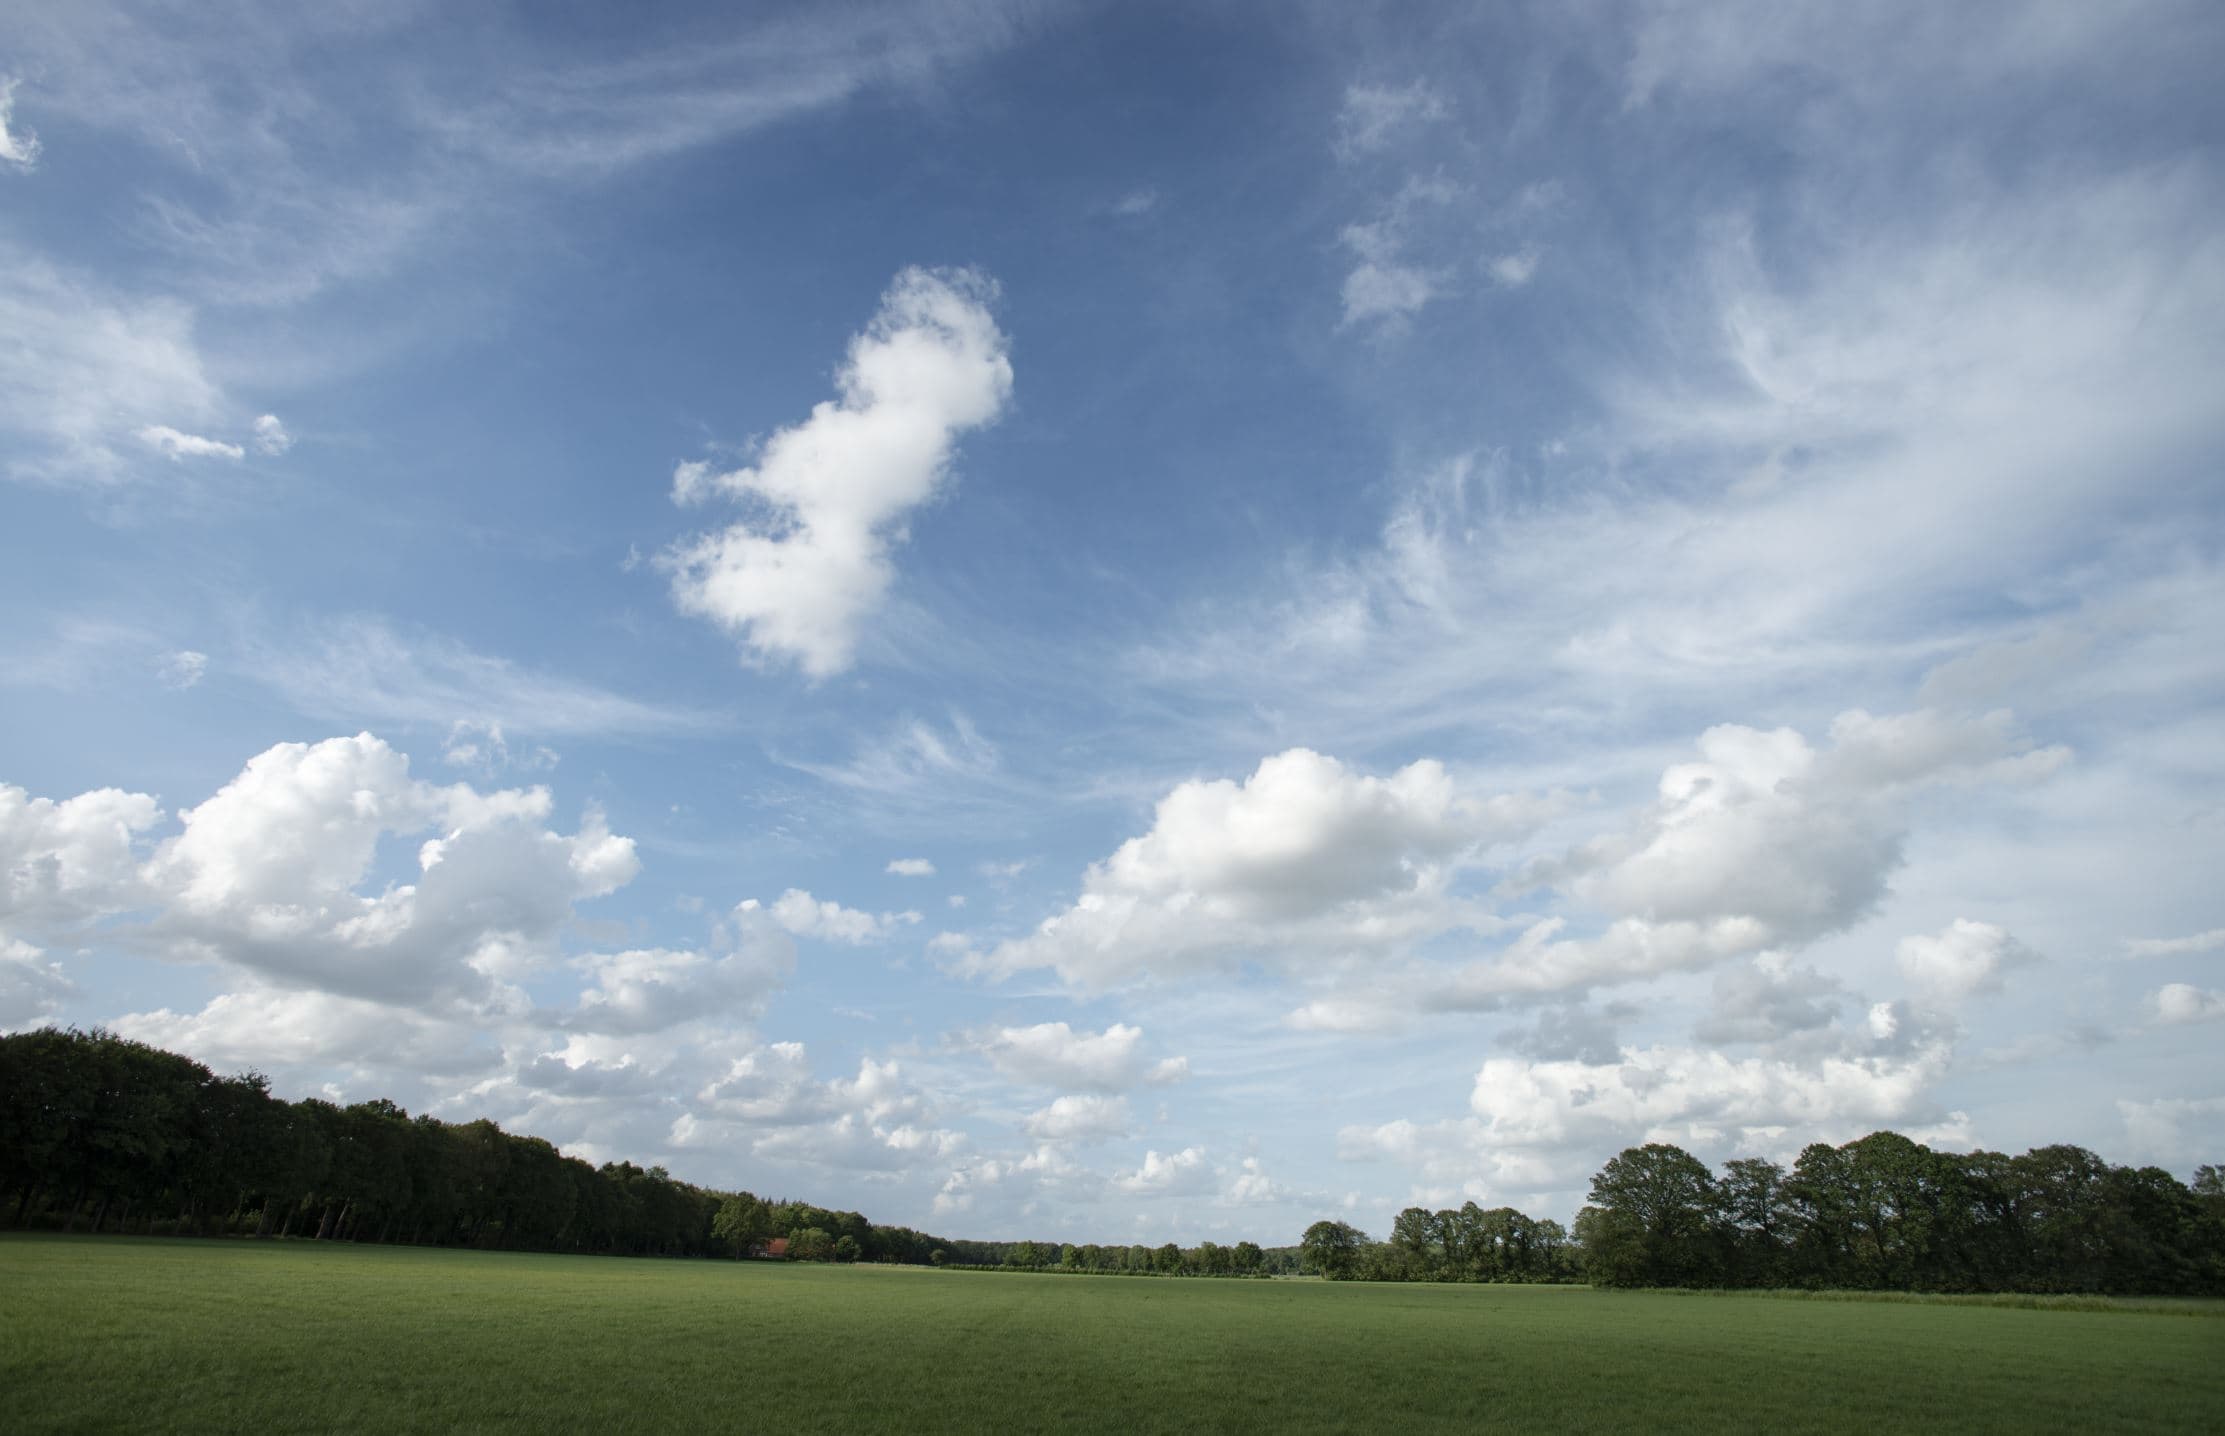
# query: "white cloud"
{"type": "Point", "coordinates": [875, 1121]}
{"type": "Point", "coordinates": [1387, 291]}
{"type": "Point", "coordinates": [2210, 941]}
{"type": "Point", "coordinates": [268, 875]}
{"type": "Point", "coordinates": [174, 444]}
{"type": "Point", "coordinates": [18, 147]}
{"type": "Point", "coordinates": [801, 580]}
{"type": "Point", "coordinates": [1080, 1118]}
{"type": "Point", "coordinates": [482, 747]}
{"type": "Point", "coordinates": [261, 1026]}
{"type": "Point", "coordinates": [1542, 1126]}
{"type": "Point", "coordinates": [1304, 856]}
{"type": "Point", "coordinates": [1136, 202]}
{"type": "Point", "coordinates": [1053, 1054]}
{"type": "Point", "coordinates": [32, 989]}
{"type": "Point", "coordinates": [1373, 115]}
{"type": "Point", "coordinates": [1174, 1174]}
{"type": "Point", "coordinates": [1512, 271]}
{"type": "Point", "coordinates": [2177, 1002]}
{"type": "Point", "coordinates": [62, 863]}
{"type": "Point", "coordinates": [182, 668]}
{"type": "Point", "coordinates": [1960, 960]}
{"type": "Point", "coordinates": [805, 916]}
{"type": "Point", "coordinates": [271, 436]}
{"type": "Point", "coordinates": [910, 867]}
{"type": "Point", "coordinates": [1250, 1186]}
{"type": "Point", "coordinates": [656, 989]}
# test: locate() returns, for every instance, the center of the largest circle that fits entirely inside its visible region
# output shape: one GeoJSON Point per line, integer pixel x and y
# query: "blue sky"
{"type": "Point", "coordinates": [1098, 621]}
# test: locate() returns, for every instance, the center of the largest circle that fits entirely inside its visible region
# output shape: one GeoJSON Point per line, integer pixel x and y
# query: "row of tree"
{"type": "Point", "coordinates": [98, 1133]}
{"type": "Point", "coordinates": [1888, 1213]}
{"type": "Point", "coordinates": [102, 1134]}
{"type": "Point", "coordinates": [1458, 1244]}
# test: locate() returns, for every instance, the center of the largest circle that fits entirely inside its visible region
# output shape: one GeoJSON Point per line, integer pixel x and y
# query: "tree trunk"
{"type": "Point", "coordinates": [100, 1213]}
{"type": "Point", "coordinates": [324, 1226]}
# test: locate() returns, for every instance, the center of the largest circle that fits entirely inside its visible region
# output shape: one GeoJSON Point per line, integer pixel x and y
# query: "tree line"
{"type": "Point", "coordinates": [102, 1134]}
{"type": "Point", "coordinates": [98, 1133]}
{"type": "Point", "coordinates": [1888, 1213]}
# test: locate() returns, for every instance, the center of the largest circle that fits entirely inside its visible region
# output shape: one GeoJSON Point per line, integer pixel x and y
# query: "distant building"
{"type": "Point", "coordinates": [777, 1247]}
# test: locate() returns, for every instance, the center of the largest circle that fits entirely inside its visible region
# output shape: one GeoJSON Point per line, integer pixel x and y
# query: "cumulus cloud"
{"type": "Point", "coordinates": [2177, 1002]}
{"type": "Point", "coordinates": [799, 579]}
{"type": "Point", "coordinates": [1302, 858]}
{"type": "Point", "coordinates": [1053, 1054]}
{"type": "Point", "coordinates": [271, 436]}
{"type": "Point", "coordinates": [175, 444]}
{"type": "Point", "coordinates": [62, 863]}
{"type": "Point", "coordinates": [1538, 1126]}
{"type": "Point", "coordinates": [1080, 1118]}
{"type": "Point", "coordinates": [1961, 960]}
{"type": "Point", "coordinates": [269, 874]}
{"type": "Point", "coordinates": [911, 867]}
{"type": "Point", "coordinates": [19, 147]}
{"type": "Point", "coordinates": [1765, 841]}
{"type": "Point", "coordinates": [1173, 1174]}
{"type": "Point", "coordinates": [483, 747]}
{"type": "Point", "coordinates": [806, 916]}
{"type": "Point", "coordinates": [875, 1121]}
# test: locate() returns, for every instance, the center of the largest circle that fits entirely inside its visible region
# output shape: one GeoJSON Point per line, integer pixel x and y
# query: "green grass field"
{"type": "Point", "coordinates": [115, 1334]}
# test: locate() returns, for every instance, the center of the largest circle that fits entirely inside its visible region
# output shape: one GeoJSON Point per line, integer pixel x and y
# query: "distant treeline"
{"type": "Point", "coordinates": [98, 1133]}
{"type": "Point", "coordinates": [1883, 1213]}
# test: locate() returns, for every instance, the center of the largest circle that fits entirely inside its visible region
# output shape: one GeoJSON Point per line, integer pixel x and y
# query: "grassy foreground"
{"type": "Point", "coordinates": [109, 1334]}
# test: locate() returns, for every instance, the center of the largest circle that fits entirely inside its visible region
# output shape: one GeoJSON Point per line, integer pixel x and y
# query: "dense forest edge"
{"type": "Point", "coordinates": [102, 1134]}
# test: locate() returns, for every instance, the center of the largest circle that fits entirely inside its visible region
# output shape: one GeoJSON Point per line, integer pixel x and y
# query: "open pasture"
{"type": "Point", "coordinates": [146, 1335]}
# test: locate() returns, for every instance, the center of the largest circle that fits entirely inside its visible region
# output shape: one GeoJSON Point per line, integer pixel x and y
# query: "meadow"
{"type": "Point", "coordinates": [107, 1334]}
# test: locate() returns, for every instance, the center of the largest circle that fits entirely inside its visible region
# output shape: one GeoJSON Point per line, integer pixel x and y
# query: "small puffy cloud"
{"type": "Point", "coordinates": [1176, 1173]}
{"type": "Point", "coordinates": [1373, 115]}
{"type": "Point", "coordinates": [1961, 960]}
{"type": "Point", "coordinates": [2178, 1002]}
{"type": "Point", "coordinates": [1053, 1054]}
{"type": "Point", "coordinates": [1387, 291]}
{"type": "Point", "coordinates": [1250, 1186]}
{"type": "Point", "coordinates": [19, 147]}
{"type": "Point", "coordinates": [806, 916]}
{"type": "Point", "coordinates": [175, 444]}
{"type": "Point", "coordinates": [271, 437]}
{"type": "Point", "coordinates": [800, 578]}
{"type": "Point", "coordinates": [1080, 1118]}
{"type": "Point", "coordinates": [1136, 202]}
{"type": "Point", "coordinates": [911, 867]}
{"type": "Point", "coordinates": [182, 669]}
{"type": "Point", "coordinates": [1512, 271]}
